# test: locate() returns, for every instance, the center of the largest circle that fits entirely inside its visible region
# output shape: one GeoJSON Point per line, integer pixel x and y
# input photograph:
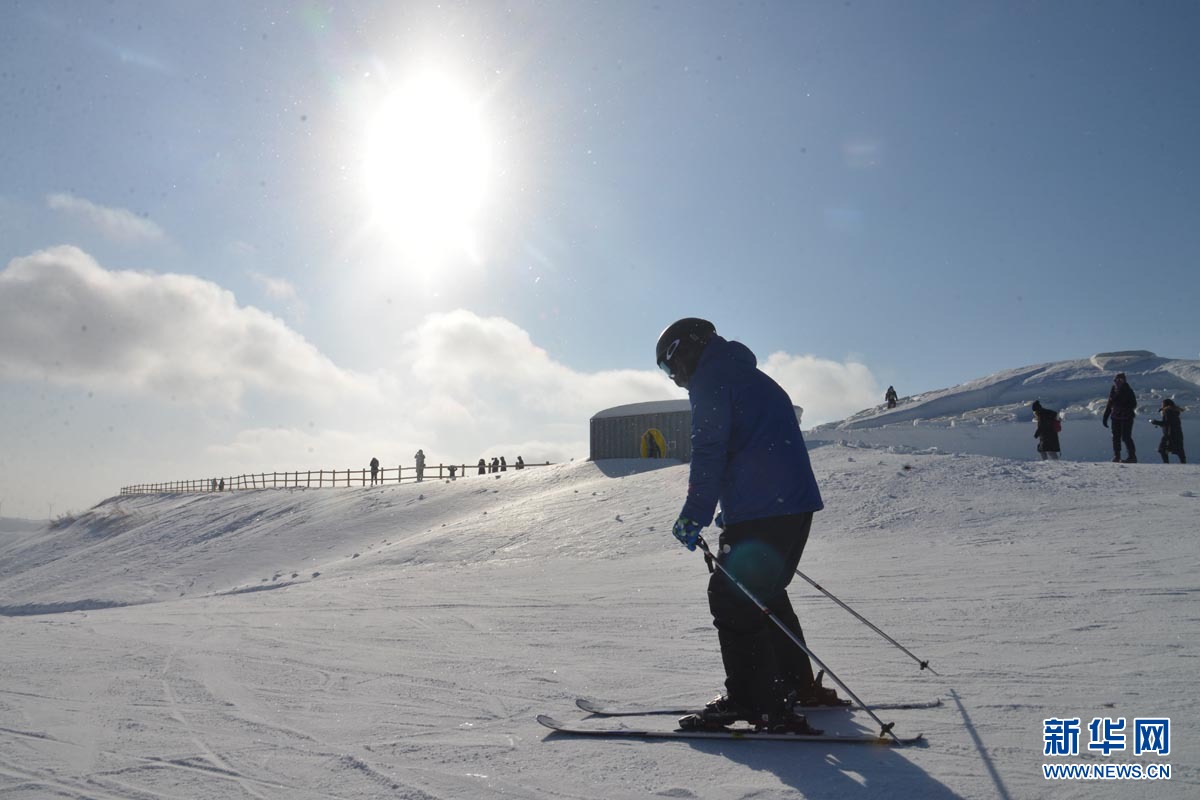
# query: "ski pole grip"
{"type": "Point", "coordinates": [708, 556]}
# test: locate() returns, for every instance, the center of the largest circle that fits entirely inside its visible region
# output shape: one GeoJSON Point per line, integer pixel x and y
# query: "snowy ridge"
{"type": "Point", "coordinates": [146, 548]}
{"type": "Point", "coordinates": [995, 410]}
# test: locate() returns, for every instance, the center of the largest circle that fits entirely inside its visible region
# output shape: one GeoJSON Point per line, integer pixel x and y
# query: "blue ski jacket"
{"type": "Point", "coordinates": [747, 449]}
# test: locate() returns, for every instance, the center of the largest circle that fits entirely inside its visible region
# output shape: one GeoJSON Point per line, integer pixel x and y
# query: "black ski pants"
{"type": "Point", "coordinates": [1165, 447]}
{"type": "Point", "coordinates": [761, 662]}
{"type": "Point", "coordinates": [1122, 431]}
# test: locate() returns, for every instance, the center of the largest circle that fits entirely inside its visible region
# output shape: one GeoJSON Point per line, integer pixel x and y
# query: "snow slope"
{"type": "Point", "coordinates": [397, 641]}
{"type": "Point", "coordinates": [992, 415]}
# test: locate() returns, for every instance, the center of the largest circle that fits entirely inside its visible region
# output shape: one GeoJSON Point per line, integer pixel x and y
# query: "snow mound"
{"type": "Point", "coordinates": [1122, 359]}
{"type": "Point", "coordinates": [991, 415]}
{"type": "Point", "coordinates": [131, 550]}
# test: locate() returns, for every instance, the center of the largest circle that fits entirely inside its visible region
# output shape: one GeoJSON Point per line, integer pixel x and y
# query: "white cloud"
{"type": "Point", "coordinates": [284, 292]}
{"type": "Point", "coordinates": [68, 320]}
{"type": "Point", "coordinates": [826, 390]}
{"type": "Point", "coordinates": [479, 381]}
{"type": "Point", "coordinates": [117, 224]}
{"type": "Point", "coordinates": [462, 386]}
{"type": "Point", "coordinates": [478, 361]}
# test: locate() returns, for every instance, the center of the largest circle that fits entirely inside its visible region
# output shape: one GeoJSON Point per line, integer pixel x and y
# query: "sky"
{"type": "Point", "coordinates": [296, 236]}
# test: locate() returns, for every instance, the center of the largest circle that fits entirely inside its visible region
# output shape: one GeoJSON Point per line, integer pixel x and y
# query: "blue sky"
{"type": "Point", "coordinates": [304, 235]}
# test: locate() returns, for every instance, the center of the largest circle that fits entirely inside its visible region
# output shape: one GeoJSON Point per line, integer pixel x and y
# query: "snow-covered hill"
{"type": "Point", "coordinates": [397, 641]}
{"type": "Point", "coordinates": [992, 415]}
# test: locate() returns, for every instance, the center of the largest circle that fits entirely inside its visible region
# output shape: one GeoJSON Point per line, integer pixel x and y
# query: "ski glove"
{"type": "Point", "coordinates": [687, 531]}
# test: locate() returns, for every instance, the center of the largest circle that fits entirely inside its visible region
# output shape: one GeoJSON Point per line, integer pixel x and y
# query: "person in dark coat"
{"type": "Point", "coordinates": [520, 463]}
{"type": "Point", "coordinates": [891, 397]}
{"type": "Point", "coordinates": [1172, 431]}
{"type": "Point", "coordinates": [374, 471]}
{"type": "Point", "coordinates": [419, 456]}
{"type": "Point", "coordinates": [748, 453]}
{"type": "Point", "coordinates": [1121, 406]}
{"type": "Point", "coordinates": [503, 464]}
{"type": "Point", "coordinates": [495, 465]}
{"type": "Point", "coordinates": [1047, 431]}
{"type": "Point", "coordinates": [482, 467]}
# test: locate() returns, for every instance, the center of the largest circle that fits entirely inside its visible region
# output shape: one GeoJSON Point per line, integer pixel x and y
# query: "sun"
{"type": "Point", "coordinates": [428, 161]}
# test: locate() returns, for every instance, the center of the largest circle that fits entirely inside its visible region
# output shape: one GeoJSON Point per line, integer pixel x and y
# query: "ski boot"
{"type": "Point", "coordinates": [719, 712]}
{"type": "Point", "coordinates": [815, 695]}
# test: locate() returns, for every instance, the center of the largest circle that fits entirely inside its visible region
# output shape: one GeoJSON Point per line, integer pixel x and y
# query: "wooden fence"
{"type": "Point", "coordinates": [313, 479]}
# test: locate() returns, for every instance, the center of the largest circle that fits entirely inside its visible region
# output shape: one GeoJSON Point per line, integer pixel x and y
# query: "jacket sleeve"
{"type": "Point", "coordinates": [712, 417]}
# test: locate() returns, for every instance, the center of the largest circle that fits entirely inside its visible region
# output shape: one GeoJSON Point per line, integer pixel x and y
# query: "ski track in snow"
{"type": "Point", "coordinates": [415, 669]}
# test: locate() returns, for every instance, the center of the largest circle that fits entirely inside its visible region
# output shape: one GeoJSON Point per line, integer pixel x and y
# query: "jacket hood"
{"type": "Point", "coordinates": [722, 349]}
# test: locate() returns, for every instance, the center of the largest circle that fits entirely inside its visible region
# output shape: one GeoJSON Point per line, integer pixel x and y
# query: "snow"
{"type": "Point", "coordinates": [398, 641]}
{"type": "Point", "coordinates": [648, 407]}
{"type": "Point", "coordinates": [992, 415]}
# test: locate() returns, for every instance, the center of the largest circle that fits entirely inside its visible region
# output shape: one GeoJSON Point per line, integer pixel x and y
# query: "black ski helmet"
{"type": "Point", "coordinates": [679, 348]}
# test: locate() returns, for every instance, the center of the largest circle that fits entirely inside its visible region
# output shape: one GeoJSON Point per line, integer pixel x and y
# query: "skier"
{"type": "Point", "coordinates": [891, 397]}
{"type": "Point", "coordinates": [1047, 431]}
{"type": "Point", "coordinates": [1121, 406]}
{"type": "Point", "coordinates": [1172, 432]}
{"type": "Point", "coordinates": [748, 452]}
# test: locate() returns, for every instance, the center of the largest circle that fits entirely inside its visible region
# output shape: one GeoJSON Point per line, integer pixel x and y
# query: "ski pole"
{"type": "Point", "coordinates": [885, 727]}
{"type": "Point", "coordinates": [868, 623]}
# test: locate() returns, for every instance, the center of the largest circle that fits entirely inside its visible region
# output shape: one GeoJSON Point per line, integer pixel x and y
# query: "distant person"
{"type": "Point", "coordinates": [652, 450]}
{"type": "Point", "coordinates": [420, 458]}
{"type": "Point", "coordinates": [214, 484]}
{"type": "Point", "coordinates": [1121, 406]}
{"type": "Point", "coordinates": [374, 471]}
{"type": "Point", "coordinates": [221, 485]}
{"type": "Point", "coordinates": [891, 397]}
{"type": "Point", "coordinates": [1048, 427]}
{"type": "Point", "coordinates": [482, 467]}
{"type": "Point", "coordinates": [1172, 431]}
{"type": "Point", "coordinates": [453, 469]}
{"type": "Point", "coordinates": [503, 464]}
{"type": "Point", "coordinates": [495, 465]}
{"type": "Point", "coordinates": [520, 463]}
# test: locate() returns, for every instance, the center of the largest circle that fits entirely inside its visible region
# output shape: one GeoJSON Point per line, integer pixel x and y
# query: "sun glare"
{"type": "Point", "coordinates": [427, 166]}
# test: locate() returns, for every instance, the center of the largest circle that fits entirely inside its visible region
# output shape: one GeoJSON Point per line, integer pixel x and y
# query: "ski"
{"type": "Point", "coordinates": [730, 733]}
{"type": "Point", "coordinates": [592, 707]}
